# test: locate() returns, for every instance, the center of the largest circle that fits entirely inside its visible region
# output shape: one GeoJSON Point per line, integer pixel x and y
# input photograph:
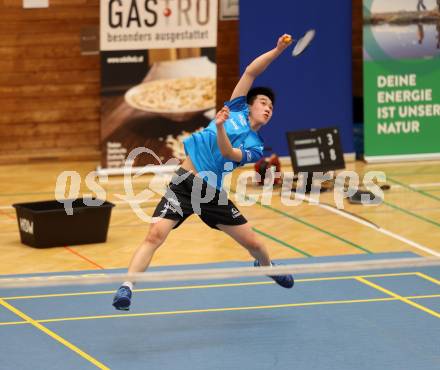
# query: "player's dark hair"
{"type": "Point", "coordinates": [260, 90]}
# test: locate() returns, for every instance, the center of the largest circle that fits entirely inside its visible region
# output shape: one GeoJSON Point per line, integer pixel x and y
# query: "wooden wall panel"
{"type": "Point", "coordinates": [227, 60]}
{"type": "Point", "coordinates": [49, 92]}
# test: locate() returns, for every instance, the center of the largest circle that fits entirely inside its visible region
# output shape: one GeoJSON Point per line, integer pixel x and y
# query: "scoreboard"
{"type": "Point", "coordinates": [316, 150]}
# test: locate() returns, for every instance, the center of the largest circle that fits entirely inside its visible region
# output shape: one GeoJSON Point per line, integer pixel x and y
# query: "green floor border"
{"type": "Point", "coordinates": [317, 228]}
{"type": "Point", "coordinates": [408, 212]}
{"type": "Point", "coordinates": [281, 242]}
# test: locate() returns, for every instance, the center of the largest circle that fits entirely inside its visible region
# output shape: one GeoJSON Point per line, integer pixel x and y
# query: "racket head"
{"type": "Point", "coordinates": [303, 43]}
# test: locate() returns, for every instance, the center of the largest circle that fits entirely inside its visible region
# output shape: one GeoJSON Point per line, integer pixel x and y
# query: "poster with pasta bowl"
{"type": "Point", "coordinates": [177, 90]}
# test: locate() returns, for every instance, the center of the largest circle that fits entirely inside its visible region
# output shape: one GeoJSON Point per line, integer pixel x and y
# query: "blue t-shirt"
{"type": "Point", "coordinates": [205, 154]}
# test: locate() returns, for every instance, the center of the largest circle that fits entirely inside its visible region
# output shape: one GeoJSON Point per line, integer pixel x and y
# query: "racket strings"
{"type": "Point", "coordinates": [304, 42]}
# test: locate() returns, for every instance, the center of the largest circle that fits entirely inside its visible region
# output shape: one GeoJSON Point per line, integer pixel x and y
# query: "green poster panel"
{"type": "Point", "coordinates": [401, 80]}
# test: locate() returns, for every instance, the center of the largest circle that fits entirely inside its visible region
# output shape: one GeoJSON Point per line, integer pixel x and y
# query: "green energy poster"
{"type": "Point", "coordinates": [401, 79]}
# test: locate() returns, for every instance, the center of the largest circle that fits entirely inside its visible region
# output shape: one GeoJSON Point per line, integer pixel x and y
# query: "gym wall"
{"type": "Point", "coordinates": [49, 92]}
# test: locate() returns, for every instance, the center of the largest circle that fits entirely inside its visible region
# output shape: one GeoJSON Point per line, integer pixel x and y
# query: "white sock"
{"type": "Point", "coordinates": [128, 284]}
{"type": "Point", "coordinates": [271, 264]}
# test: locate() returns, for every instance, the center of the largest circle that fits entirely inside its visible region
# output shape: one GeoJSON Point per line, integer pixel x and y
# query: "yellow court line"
{"type": "Point", "coordinates": [141, 290]}
{"type": "Point", "coordinates": [353, 277]}
{"type": "Point", "coordinates": [427, 277]}
{"type": "Point", "coordinates": [303, 304]}
{"type": "Point", "coordinates": [423, 296]}
{"type": "Point", "coordinates": [187, 287]}
{"type": "Point", "coordinates": [53, 335]}
{"type": "Point", "coordinates": [7, 323]}
{"type": "Point", "coordinates": [225, 309]}
{"type": "Point", "coordinates": [399, 297]}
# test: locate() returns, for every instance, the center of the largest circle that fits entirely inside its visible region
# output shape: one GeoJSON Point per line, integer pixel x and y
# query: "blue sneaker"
{"type": "Point", "coordinates": [122, 298]}
{"type": "Point", "coordinates": [286, 281]}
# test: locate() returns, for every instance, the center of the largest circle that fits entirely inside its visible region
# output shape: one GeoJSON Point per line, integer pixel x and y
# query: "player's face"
{"type": "Point", "coordinates": [261, 109]}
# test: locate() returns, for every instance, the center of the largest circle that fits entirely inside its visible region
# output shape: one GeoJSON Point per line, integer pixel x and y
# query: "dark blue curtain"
{"type": "Point", "coordinates": [313, 90]}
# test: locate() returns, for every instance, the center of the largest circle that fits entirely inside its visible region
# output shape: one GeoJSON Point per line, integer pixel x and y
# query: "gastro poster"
{"type": "Point", "coordinates": [401, 79]}
{"type": "Point", "coordinates": [158, 76]}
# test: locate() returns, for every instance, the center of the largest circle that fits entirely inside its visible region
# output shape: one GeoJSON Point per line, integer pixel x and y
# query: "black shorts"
{"type": "Point", "coordinates": [187, 194]}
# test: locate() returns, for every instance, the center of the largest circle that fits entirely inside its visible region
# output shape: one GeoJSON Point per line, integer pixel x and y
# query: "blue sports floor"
{"type": "Point", "coordinates": [367, 320]}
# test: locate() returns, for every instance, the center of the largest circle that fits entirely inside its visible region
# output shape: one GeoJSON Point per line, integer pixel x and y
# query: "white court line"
{"type": "Point", "coordinates": [168, 179]}
{"type": "Point", "coordinates": [422, 185]}
{"type": "Point", "coordinates": [426, 184]}
{"type": "Point", "coordinates": [154, 200]}
{"type": "Point", "coordinates": [373, 226]}
{"type": "Point", "coordinates": [403, 164]}
{"type": "Point", "coordinates": [163, 178]}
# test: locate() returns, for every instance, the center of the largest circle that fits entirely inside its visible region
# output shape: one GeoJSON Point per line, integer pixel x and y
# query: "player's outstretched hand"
{"type": "Point", "coordinates": [221, 116]}
{"type": "Point", "coordinates": [284, 42]}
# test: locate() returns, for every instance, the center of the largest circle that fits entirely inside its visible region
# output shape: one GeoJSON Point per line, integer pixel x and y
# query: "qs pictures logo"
{"type": "Point", "coordinates": [155, 188]}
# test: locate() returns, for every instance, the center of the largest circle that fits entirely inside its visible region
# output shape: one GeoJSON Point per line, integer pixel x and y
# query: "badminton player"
{"type": "Point", "coordinates": [230, 140]}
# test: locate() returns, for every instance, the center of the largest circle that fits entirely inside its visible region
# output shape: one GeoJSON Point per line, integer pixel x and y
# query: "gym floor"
{"type": "Point", "coordinates": [368, 320]}
{"type": "Point", "coordinates": [372, 320]}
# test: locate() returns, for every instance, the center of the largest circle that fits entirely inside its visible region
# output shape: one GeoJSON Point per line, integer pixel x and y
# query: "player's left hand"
{"type": "Point", "coordinates": [221, 116]}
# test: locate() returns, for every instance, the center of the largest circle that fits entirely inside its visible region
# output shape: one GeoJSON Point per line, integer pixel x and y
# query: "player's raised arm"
{"type": "Point", "coordinates": [258, 65]}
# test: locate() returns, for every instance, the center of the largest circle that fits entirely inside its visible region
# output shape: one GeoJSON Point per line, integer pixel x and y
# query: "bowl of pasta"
{"type": "Point", "coordinates": [176, 90]}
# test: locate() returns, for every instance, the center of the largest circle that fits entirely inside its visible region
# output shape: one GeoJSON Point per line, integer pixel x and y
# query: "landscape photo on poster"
{"type": "Point", "coordinates": [401, 29]}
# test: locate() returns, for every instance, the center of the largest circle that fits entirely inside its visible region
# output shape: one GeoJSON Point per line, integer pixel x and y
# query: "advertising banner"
{"type": "Point", "coordinates": [401, 79]}
{"type": "Point", "coordinates": [158, 76]}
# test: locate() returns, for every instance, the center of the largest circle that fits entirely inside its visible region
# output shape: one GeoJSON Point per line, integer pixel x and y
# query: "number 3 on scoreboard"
{"type": "Point", "coordinates": [330, 139]}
